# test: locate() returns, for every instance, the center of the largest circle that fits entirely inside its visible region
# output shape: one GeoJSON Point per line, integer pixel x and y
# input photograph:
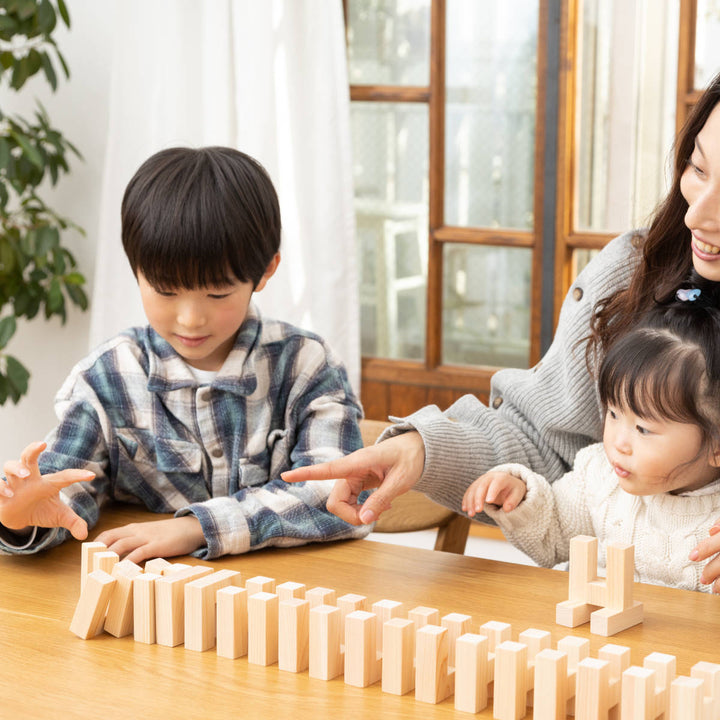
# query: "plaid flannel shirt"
{"type": "Point", "coordinates": [133, 413]}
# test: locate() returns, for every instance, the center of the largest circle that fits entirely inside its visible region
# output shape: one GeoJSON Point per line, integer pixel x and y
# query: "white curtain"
{"type": "Point", "coordinates": [268, 78]}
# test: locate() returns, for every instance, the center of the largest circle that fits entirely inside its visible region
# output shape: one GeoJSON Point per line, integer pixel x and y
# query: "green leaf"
{"type": "Point", "coordinates": [4, 153]}
{"type": "Point", "coordinates": [55, 303]}
{"type": "Point", "coordinates": [46, 17]}
{"type": "Point", "coordinates": [8, 326]}
{"type": "Point", "coordinates": [6, 58]}
{"type": "Point", "coordinates": [74, 278]}
{"type": "Point", "coordinates": [30, 152]}
{"type": "Point", "coordinates": [78, 296]}
{"type": "Point", "coordinates": [17, 376]}
{"type": "Point", "coordinates": [20, 73]}
{"type": "Point", "coordinates": [48, 238]}
{"type": "Point", "coordinates": [64, 12]}
{"type": "Point", "coordinates": [49, 70]}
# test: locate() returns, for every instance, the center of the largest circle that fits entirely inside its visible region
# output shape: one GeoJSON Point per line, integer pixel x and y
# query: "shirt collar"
{"type": "Point", "coordinates": [167, 371]}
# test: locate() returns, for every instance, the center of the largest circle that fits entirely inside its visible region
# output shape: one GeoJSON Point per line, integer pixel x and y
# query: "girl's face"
{"type": "Point", "coordinates": [656, 456]}
{"type": "Point", "coordinates": [700, 186]}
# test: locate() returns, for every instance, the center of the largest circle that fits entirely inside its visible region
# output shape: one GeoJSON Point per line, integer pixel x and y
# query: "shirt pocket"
{"type": "Point", "coordinates": [144, 448]}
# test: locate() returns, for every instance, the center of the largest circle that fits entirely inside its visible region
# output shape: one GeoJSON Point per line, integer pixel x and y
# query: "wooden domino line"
{"type": "Point", "coordinates": [437, 657]}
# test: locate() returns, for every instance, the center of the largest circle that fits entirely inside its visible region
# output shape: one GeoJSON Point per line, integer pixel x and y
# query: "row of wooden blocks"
{"type": "Point", "coordinates": [327, 636]}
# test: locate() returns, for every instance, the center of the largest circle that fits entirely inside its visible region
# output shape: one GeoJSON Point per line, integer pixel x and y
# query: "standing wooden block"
{"type": "Point", "coordinates": [591, 693]}
{"type": "Point", "coordinates": [325, 654]}
{"type": "Point", "coordinates": [423, 616]}
{"type": "Point", "coordinates": [496, 633]}
{"type": "Point", "coordinates": [709, 673]}
{"type": "Point", "coordinates": [510, 693]}
{"type": "Point", "coordinates": [362, 665]}
{"type": "Point", "coordinates": [293, 634]}
{"type": "Point", "coordinates": [232, 632]}
{"type": "Point", "coordinates": [144, 607]}
{"type": "Point", "coordinates": [320, 596]}
{"type": "Point", "coordinates": [551, 678]}
{"type": "Point", "coordinates": [536, 641]}
{"type": "Point", "coordinates": [637, 700]}
{"type": "Point", "coordinates": [472, 674]}
{"type": "Point", "coordinates": [385, 610]}
{"type": "Point", "coordinates": [263, 628]}
{"type": "Point", "coordinates": [170, 604]}
{"type": "Point", "coordinates": [618, 658]}
{"type": "Point", "coordinates": [159, 566]}
{"type": "Point", "coordinates": [350, 603]}
{"type": "Point", "coordinates": [398, 656]}
{"type": "Point", "coordinates": [665, 667]}
{"type": "Point", "coordinates": [457, 625]}
{"type": "Point", "coordinates": [87, 550]}
{"type": "Point", "coordinates": [201, 609]}
{"type": "Point", "coordinates": [687, 699]}
{"type": "Point", "coordinates": [433, 681]}
{"type": "Point", "coordinates": [89, 615]}
{"type": "Point", "coordinates": [290, 590]}
{"type": "Point", "coordinates": [259, 583]}
{"type": "Point", "coordinates": [576, 649]}
{"type": "Point", "coordinates": [119, 618]}
{"type": "Point", "coordinates": [105, 560]}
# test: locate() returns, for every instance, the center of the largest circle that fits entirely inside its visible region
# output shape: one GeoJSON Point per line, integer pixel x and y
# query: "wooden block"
{"type": "Point", "coordinates": [710, 674]}
{"type": "Point", "coordinates": [170, 604]}
{"type": "Point", "coordinates": [535, 640]}
{"type": "Point", "coordinates": [89, 615]}
{"type": "Point", "coordinates": [592, 700]}
{"type": "Point", "coordinates": [496, 633]}
{"type": "Point", "coordinates": [551, 677]}
{"type": "Point", "coordinates": [362, 665]}
{"type": "Point", "coordinates": [259, 583]}
{"type": "Point", "coordinates": [263, 610]}
{"type": "Point", "coordinates": [87, 550]}
{"type": "Point", "coordinates": [638, 694]}
{"type": "Point", "coordinates": [510, 692]}
{"type": "Point", "coordinates": [457, 625]}
{"type": "Point", "coordinates": [423, 616]}
{"type": "Point", "coordinates": [583, 567]}
{"type": "Point", "coordinates": [105, 560]}
{"type": "Point", "coordinates": [576, 649]}
{"type": "Point", "coordinates": [350, 603]}
{"type": "Point", "coordinates": [619, 580]}
{"type": "Point", "coordinates": [144, 607]}
{"type": "Point", "coordinates": [325, 656]}
{"type": "Point", "coordinates": [232, 632]}
{"type": "Point", "coordinates": [159, 566]}
{"type": "Point", "coordinates": [571, 613]}
{"type": "Point", "coordinates": [385, 610]}
{"type": "Point", "coordinates": [201, 608]}
{"type": "Point", "coordinates": [290, 590]}
{"type": "Point", "coordinates": [433, 681]}
{"type": "Point", "coordinates": [665, 669]}
{"type": "Point", "coordinates": [597, 594]}
{"type": "Point", "coordinates": [472, 675]}
{"type": "Point", "coordinates": [293, 634]}
{"type": "Point", "coordinates": [398, 656]}
{"type": "Point", "coordinates": [686, 699]}
{"type": "Point", "coordinates": [119, 618]}
{"type": "Point", "coordinates": [320, 596]}
{"type": "Point", "coordinates": [176, 568]}
{"type": "Point", "coordinates": [607, 622]}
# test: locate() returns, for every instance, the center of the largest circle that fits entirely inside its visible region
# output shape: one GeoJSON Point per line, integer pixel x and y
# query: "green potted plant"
{"type": "Point", "coordinates": [37, 272]}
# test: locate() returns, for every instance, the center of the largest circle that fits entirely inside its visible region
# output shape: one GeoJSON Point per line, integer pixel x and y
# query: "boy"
{"type": "Point", "coordinates": [199, 412]}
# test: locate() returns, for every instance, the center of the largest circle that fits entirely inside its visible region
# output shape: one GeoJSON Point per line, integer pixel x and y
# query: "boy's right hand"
{"type": "Point", "coordinates": [30, 498]}
{"type": "Point", "coordinates": [497, 488]}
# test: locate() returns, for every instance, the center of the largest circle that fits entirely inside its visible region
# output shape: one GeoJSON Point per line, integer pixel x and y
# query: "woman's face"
{"type": "Point", "coordinates": [700, 186]}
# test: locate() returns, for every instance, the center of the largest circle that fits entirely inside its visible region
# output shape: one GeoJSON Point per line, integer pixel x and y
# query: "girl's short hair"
{"type": "Point", "coordinates": [195, 218]}
{"type": "Point", "coordinates": [668, 367]}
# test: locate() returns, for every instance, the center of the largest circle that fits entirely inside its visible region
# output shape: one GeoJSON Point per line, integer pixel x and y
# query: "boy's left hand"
{"type": "Point", "coordinates": [157, 538]}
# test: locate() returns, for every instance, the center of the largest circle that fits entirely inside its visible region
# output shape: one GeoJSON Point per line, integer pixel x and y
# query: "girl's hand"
{"type": "Point", "coordinates": [709, 548]}
{"type": "Point", "coordinates": [497, 488]}
{"type": "Point", "coordinates": [31, 499]}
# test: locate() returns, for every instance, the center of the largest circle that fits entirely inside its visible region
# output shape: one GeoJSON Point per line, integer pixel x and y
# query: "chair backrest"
{"type": "Point", "coordinates": [414, 511]}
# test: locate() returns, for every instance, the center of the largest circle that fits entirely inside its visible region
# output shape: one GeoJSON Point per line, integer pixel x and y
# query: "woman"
{"type": "Point", "coordinates": [541, 417]}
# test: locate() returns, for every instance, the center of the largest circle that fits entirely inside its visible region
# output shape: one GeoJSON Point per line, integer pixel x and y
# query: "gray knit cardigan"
{"type": "Point", "coordinates": [538, 417]}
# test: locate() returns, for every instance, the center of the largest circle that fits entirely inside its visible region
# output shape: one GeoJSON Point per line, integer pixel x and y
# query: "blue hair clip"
{"type": "Point", "coordinates": [687, 294]}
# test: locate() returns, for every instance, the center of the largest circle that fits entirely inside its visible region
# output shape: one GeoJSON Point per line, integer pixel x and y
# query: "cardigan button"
{"type": "Point", "coordinates": [577, 293]}
{"type": "Point", "coordinates": [497, 402]}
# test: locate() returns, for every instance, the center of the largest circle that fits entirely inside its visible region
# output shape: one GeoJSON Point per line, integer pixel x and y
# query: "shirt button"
{"type": "Point", "coordinates": [216, 452]}
{"type": "Point", "coordinates": [577, 293]}
{"type": "Point", "coordinates": [204, 395]}
{"type": "Point", "coordinates": [497, 402]}
{"type": "Point", "coordinates": [637, 241]}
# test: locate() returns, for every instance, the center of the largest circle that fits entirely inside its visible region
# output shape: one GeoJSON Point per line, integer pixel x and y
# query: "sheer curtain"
{"type": "Point", "coordinates": [268, 78]}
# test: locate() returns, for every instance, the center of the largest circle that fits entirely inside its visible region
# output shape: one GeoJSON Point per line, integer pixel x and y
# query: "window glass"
{"type": "Point", "coordinates": [707, 47]}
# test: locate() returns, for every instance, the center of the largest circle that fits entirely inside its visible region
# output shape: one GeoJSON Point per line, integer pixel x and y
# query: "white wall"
{"type": "Point", "coordinates": [79, 109]}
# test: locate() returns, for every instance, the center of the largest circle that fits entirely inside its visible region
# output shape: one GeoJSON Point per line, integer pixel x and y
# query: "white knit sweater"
{"type": "Point", "coordinates": [588, 501]}
{"type": "Point", "coordinates": [539, 417]}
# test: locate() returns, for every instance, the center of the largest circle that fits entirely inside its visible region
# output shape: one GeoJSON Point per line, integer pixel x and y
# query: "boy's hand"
{"type": "Point", "coordinates": [30, 498]}
{"type": "Point", "coordinates": [157, 538]}
{"type": "Point", "coordinates": [497, 488]}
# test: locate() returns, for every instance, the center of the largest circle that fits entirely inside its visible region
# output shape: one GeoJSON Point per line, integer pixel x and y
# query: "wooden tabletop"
{"type": "Point", "coordinates": [47, 672]}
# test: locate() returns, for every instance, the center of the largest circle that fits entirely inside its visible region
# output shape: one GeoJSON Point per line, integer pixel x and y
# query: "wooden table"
{"type": "Point", "coordinates": [47, 672]}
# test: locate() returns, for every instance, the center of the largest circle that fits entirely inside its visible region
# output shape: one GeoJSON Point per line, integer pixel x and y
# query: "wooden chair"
{"type": "Point", "coordinates": [414, 511]}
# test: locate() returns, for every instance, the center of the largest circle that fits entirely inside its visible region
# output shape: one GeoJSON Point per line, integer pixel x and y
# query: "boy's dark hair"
{"type": "Point", "coordinates": [194, 218]}
{"type": "Point", "coordinates": [668, 366]}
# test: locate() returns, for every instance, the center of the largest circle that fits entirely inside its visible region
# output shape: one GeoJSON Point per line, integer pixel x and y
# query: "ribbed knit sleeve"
{"type": "Point", "coordinates": [538, 417]}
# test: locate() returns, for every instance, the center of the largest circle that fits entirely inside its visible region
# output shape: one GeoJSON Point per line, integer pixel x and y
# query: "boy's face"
{"type": "Point", "coordinates": [201, 324]}
{"type": "Point", "coordinates": [656, 456]}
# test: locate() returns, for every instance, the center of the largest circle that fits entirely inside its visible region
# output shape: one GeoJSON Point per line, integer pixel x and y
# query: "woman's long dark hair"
{"type": "Point", "coordinates": [666, 254]}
